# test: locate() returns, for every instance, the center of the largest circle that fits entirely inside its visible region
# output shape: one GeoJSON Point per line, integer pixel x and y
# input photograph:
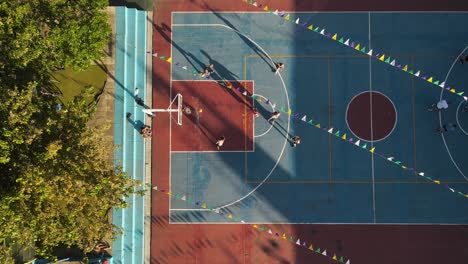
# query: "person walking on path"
{"type": "Point", "coordinates": [446, 128]}
{"type": "Point", "coordinates": [220, 142]}
{"type": "Point", "coordinates": [439, 106]}
{"type": "Point", "coordinates": [279, 67]}
{"type": "Point", "coordinates": [296, 140]}
{"type": "Point", "coordinates": [275, 115]}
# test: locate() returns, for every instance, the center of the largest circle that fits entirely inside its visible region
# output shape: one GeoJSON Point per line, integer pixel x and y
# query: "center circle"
{"type": "Point", "coordinates": [371, 116]}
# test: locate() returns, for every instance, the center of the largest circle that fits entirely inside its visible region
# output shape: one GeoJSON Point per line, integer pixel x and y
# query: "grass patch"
{"type": "Point", "coordinates": [72, 83]}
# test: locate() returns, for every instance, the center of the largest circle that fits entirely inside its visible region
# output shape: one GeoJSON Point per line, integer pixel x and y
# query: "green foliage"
{"type": "Point", "coordinates": [57, 184]}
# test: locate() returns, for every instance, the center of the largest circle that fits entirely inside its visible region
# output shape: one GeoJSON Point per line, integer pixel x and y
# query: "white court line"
{"type": "Point", "coordinates": [440, 114]}
{"type": "Point", "coordinates": [309, 223]}
{"type": "Point", "coordinates": [287, 100]}
{"type": "Point", "coordinates": [456, 117]}
{"type": "Point", "coordinates": [170, 125]}
{"type": "Point", "coordinates": [371, 123]}
{"type": "Point", "coordinates": [194, 209]}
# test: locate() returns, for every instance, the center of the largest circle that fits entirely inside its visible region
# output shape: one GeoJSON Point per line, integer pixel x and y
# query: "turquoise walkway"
{"type": "Point", "coordinates": [130, 73]}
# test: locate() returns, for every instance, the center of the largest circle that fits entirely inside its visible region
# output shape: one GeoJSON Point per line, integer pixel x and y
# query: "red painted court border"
{"type": "Point", "coordinates": [364, 244]}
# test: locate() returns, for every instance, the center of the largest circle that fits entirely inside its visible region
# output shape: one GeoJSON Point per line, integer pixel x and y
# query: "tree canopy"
{"type": "Point", "coordinates": [58, 182]}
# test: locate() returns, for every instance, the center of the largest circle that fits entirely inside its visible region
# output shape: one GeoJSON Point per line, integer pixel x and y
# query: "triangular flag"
{"type": "Point", "coordinates": [357, 143]}
{"type": "Point", "coordinates": [334, 257]}
{"type": "Point", "coordinates": [341, 40]}
{"type": "Point", "coordinates": [417, 74]}
{"type": "Point", "coordinates": [460, 93]}
{"type": "Point", "coordinates": [329, 35]}
{"type": "Point", "coordinates": [324, 252]}
{"type": "Point", "coordinates": [369, 53]}
{"type": "Point", "coordinates": [390, 159]}
{"type": "Point", "coordinates": [310, 27]}
{"type": "Point", "coordinates": [311, 121]}
{"type": "Point", "coordinates": [183, 198]}
{"type": "Point", "coordinates": [169, 60]}
{"type": "Point", "coordinates": [316, 29]}
{"type": "Point", "coordinates": [344, 136]}
{"type": "Point", "coordinates": [297, 21]}
{"type": "Point", "coordinates": [348, 262]}
{"type": "Point", "coordinates": [405, 68]}
{"type": "Point", "coordinates": [244, 93]}
{"type": "Point", "coordinates": [284, 236]}
{"type": "Point", "coordinates": [372, 150]}
{"type": "Point", "coordinates": [392, 63]}
{"type": "Point", "coordinates": [276, 12]}
{"type": "Point", "coordinates": [363, 50]}
{"type": "Point", "coordinates": [259, 99]}
{"type": "Point", "coordinates": [452, 90]}
{"type": "Point", "coordinates": [254, 226]}
{"type": "Point", "coordinates": [322, 32]}
{"type": "Point", "coordinates": [341, 259]}
{"type": "Point", "coordinates": [298, 242]}
{"type": "Point", "coordinates": [155, 54]}
{"type": "Point", "coordinates": [217, 210]}
{"type": "Point", "coordinates": [304, 118]}
{"type": "Point", "coordinates": [254, 4]}
{"type": "Point", "coordinates": [365, 146]}
{"type": "Point", "coordinates": [337, 133]}
{"type": "Point", "coordinates": [318, 125]}
{"type": "Point", "coordinates": [382, 58]}
{"type": "Point", "coordinates": [397, 162]}
{"type": "Point", "coordinates": [334, 36]}
{"type": "Point", "coordinates": [330, 130]}
{"type": "Point", "coordinates": [155, 188]}
{"type": "Point", "coordinates": [204, 205]}
{"type": "Point", "coordinates": [429, 80]}
{"type": "Point", "coordinates": [262, 228]}
{"type": "Point", "coordinates": [437, 182]}
{"type": "Point", "coordinates": [287, 17]}
{"type": "Point", "coordinates": [387, 60]}
{"type": "Point", "coordinates": [269, 231]}
{"type": "Point", "coordinates": [265, 8]}
{"type": "Point", "coordinates": [184, 67]}
{"type": "Point", "coordinates": [358, 46]}
{"type": "Point", "coordinates": [318, 250]}
{"type": "Point", "coordinates": [436, 82]}
{"type": "Point", "coordinates": [347, 42]}
{"type": "Point", "coordinates": [289, 112]}
{"type": "Point", "coordinates": [352, 44]}
{"type": "Point", "coordinates": [311, 247]}
{"type": "Point", "coordinates": [442, 84]}
{"type": "Point", "coordinates": [465, 97]}
{"type": "Point", "coordinates": [169, 193]}
{"type": "Point", "coordinates": [162, 57]}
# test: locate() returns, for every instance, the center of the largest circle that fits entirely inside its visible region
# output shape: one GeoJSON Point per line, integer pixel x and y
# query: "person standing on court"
{"type": "Point", "coordinates": [441, 105]}
{"type": "Point", "coordinates": [279, 67]}
{"type": "Point", "coordinates": [220, 142]}
{"type": "Point", "coordinates": [296, 140]}
{"type": "Point", "coordinates": [275, 115]}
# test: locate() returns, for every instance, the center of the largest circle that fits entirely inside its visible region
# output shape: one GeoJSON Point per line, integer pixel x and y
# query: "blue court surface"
{"type": "Point", "coordinates": [325, 179]}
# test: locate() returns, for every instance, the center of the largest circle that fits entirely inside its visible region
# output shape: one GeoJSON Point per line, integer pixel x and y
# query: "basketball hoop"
{"type": "Point", "coordinates": [169, 109]}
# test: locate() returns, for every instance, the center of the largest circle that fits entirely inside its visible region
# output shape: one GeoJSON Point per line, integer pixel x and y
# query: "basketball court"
{"type": "Point", "coordinates": [356, 88]}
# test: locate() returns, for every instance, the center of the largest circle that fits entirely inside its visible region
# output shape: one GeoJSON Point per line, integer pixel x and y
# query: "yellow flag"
{"type": "Point", "coordinates": [405, 68]}
{"type": "Point", "coordinates": [429, 80]}
{"type": "Point", "coordinates": [266, 8]}
{"type": "Point", "coordinates": [311, 247]}
{"type": "Point", "coordinates": [358, 46]}
{"type": "Point", "coordinates": [452, 90]}
{"type": "Point", "coordinates": [286, 17]}
{"type": "Point", "coordinates": [310, 27]}
{"type": "Point", "coordinates": [437, 182]}
{"type": "Point", "coordinates": [169, 60]}
{"type": "Point", "coordinates": [334, 257]}
{"type": "Point", "coordinates": [204, 205]}
{"type": "Point", "coordinates": [344, 136]}
{"type": "Point", "coordinates": [317, 125]}
{"type": "Point", "coordinates": [372, 150]}
{"type": "Point", "coordinates": [334, 37]}
{"type": "Point", "coordinates": [382, 58]}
